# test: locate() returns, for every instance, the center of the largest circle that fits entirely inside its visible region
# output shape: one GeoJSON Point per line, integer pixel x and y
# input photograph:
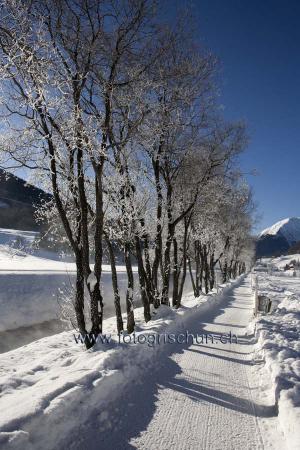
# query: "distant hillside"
{"type": "Point", "coordinates": [17, 202]}
{"type": "Point", "coordinates": [294, 249]}
{"type": "Point", "coordinates": [268, 245]}
{"type": "Point", "coordinates": [279, 238]}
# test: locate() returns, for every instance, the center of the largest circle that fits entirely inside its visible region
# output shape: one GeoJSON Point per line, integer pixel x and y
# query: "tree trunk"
{"type": "Point", "coordinates": [167, 254]}
{"type": "Point", "coordinates": [230, 269]}
{"type": "Point", "coordinates": [147, 270]}
{"type": "Point", "coordinates": [212, 271]}
{"type": "Point", "coordinates": [158, 238]}
{"type": "Point", "coordinates": [206, 268]}
{"type": "Point", "coordinates": [224, 270]}
{"type": "Point", "coordinates": [95, 293]}
{"type": "Point", "coordinates": [79, 298]}
{"type": "Point", "coordinates": [142, 280]}
{"type": "Point", "coordinates": [114, 277]}
{"type": "Point", "coordinates": [129, 292]}
{"type": "Point", "coordinates": [199, 267]}
{"type": "Point", "coordinates": [184, 258]}
{"type": "Point", "coordinates": [175, 273]}
{"type": "Point", "coordinates": [192, 277]}
{"type": "Point", "coordinates": [167, 268]}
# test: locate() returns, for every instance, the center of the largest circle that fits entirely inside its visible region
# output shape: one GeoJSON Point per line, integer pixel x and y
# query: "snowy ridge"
{"type": "Point", "coordinates": [288, 228]}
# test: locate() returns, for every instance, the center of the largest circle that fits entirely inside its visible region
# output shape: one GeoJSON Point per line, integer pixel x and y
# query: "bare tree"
{"type": "Point", "coordinates": [115, 114]}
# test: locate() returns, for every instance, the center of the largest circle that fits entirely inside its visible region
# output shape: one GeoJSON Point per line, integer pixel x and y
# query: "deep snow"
{"type": "Point", "coordinates": [279, 346]}
{"type": "Point", "coordinates": [53, 394]}
{"type": "Point", "coordinates": [44, 382]}
{"type": "Point", "coordinates": [181, 396]}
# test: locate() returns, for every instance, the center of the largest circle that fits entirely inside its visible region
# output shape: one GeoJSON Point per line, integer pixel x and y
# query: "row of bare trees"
{"type": "Point", "coordinates": [115, 114]}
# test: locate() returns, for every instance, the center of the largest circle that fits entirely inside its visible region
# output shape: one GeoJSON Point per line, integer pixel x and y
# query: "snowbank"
{"type": "Point", "coordinates": [52, 388]}
{"type": "Point", "coordinates": [279, 346]}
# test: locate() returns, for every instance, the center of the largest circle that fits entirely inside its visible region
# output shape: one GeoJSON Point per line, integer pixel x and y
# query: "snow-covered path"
{"type": "Point", "coordinates": [200, 398]}
{"type": "Point", "coordinates": [209, 403]}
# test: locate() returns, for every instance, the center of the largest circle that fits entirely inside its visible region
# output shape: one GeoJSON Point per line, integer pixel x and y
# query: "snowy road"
{"type": "Point", "coordinates": [203, 397]}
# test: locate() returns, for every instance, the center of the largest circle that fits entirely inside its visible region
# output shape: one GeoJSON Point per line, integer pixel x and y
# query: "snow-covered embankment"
{"type": "Point", "coordinates": [278, 345]}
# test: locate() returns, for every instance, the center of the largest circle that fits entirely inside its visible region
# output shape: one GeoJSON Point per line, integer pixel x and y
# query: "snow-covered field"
{"type": "Point", "coordinates": [149, 396]}
{"type": "Point", "coordinates": [56, 395]}
{"type": "Point", "coordinates": [17, 255]}
{"type": "Point", "coordinates": [52, 387]}
{"type": "Point", "coordinates": [278, 343]}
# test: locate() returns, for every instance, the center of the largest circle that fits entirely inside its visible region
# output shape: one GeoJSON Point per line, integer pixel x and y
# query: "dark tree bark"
{"type": "Point", "coordinates": [187, 221]}
{"type": "Point", "coordinates": [167, 253]}
{"type": "Point", "coordinates": [142, 280]}
{"type": "Point", "coordinates": [147, 269]}
{"type": "Point", "coordinates": [224, 271]}
{"type": "Point", "coordinates": [229, 270]}
{"type": "Point", "coordinates": [74, 242]}
{"type": "Point", "coordinates": [114, 277]}
{"type": "Point", "coordinates": [129, 292]}
{"type": "Point", "coordinates": [212, 271]}
{"type": "Point", "coordinates": [199, 267]}
{"type": "Point", "coordinates": [175, 273]}
{"type": "Point", "coordinates": [206, 268]}
{"type": "Point", "coordinates": [192, 277]}
{"type": "Point", "coordinates": [96, 297]}
{"type": "Point", "coordinates": [167, 267]}
{"type": "Point", "coordinates": [158, 237]}
{"type": "Point", "coordinates": [79, 297]}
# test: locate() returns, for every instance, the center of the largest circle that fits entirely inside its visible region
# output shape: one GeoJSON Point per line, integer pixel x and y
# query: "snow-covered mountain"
{"type": "Point", "coordinates": [288, 228]}
{"type": "Point", "coordinates": [278, 238]}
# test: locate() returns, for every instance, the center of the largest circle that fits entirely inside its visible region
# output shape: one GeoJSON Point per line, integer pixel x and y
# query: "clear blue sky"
{"type": "Point", "coordinates": [258, 43]}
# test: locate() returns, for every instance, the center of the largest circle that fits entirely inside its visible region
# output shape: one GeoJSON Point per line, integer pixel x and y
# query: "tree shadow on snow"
{"type": "Point", "coordinates": [131, 413]}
